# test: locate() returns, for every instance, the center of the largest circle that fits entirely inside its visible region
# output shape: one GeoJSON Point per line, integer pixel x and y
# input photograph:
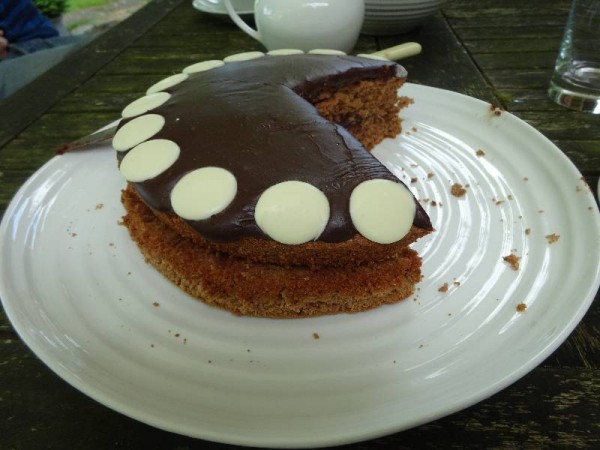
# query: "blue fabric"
{"type": "Point", "coordinates": [35, 45]}
{"type": "Point", "coordinates": [22, 21]}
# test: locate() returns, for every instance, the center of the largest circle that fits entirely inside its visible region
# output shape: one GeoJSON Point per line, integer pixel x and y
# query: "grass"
{"type": "Point", "coordinates": [75, 5]}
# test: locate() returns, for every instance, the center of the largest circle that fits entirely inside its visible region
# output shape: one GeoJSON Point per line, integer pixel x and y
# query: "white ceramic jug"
{"type": "Point", "coordinates": [304, 24]}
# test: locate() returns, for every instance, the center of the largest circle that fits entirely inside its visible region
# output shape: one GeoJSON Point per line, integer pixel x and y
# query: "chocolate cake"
{"type": "Point", "coordinates": [251, 187]}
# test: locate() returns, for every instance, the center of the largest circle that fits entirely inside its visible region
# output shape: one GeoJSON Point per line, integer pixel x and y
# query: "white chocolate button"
{"type": "Point", "coordinates": [382, 210]}
{"type": "Point", "coordinates": [371, 56]}
{"type": "Point", "coordinates": [203, 66]}
{"type": "Point", "coordinates": [292, 212]}
{"type": "Point", "coordinates": [137, 131]}
{"type": "Point", "coordinates": [167, 83]}
{"type": "Point", "coordinates": [148, 160]}
{"type": "Point", "coordinates": [243, 56]}
{"type": "Point", "coordinates": [144, 104]}
{"type": "Point", "coordinates": [285, 52]}
{"type": "Point", "coordinates": [326, 51]}
{"type": "Point", "coordinates": [203, 193]}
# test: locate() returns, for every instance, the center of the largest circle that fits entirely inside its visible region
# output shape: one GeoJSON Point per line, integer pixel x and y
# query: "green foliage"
{"type": "Point", "coordinates": [76, 5]}
{"type": "Point", "coordinates": [51, 8]}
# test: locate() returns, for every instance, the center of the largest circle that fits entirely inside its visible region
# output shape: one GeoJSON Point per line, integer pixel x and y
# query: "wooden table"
{"type": "Point", "coordinates": [501, 52]}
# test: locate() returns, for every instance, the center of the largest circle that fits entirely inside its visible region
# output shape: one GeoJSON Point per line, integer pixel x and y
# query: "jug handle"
{"type": "Point", "coordinates": [239, 22]}
{"type": "Point", "coordinates": [400, 51]}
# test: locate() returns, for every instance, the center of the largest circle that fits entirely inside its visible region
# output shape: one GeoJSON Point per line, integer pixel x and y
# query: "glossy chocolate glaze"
{"type": "Point", "coordinates": [255, 119]}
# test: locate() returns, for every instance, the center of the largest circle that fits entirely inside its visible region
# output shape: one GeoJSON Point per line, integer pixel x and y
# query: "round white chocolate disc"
{"type": "Point", "coordinates": [203, 66]}
{"type": "Point", "coordinates": [326, 51]}
{"type": "Point", "coordinates": [285, 52]}
{"type": "Point", "coordinates": [137, 131]}
{"type": "Point", "coordinates": [167, 83]}
{"type": "Point", "coordinates": [148, 160]}
{"type": "Point", "coordinates": [292, 212]}
{"type": "Point", "coordinates": [144, 104]}
{"type": "Point", "coordinates": [246, 56]}
{"type": "Point", "coordinates": [382, 210]}
{"type": "Point", "coordinates": [203, 193]}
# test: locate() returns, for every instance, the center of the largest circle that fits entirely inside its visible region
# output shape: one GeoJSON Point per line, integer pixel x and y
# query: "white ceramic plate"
{"type": "Point", "coordinates": [243, 7]}
{"type": "Point", "coordinates": [80, 295]}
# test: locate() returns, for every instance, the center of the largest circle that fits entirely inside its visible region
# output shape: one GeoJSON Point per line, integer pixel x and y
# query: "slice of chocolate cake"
{"type": "Point", "coordinates": [251, 186]}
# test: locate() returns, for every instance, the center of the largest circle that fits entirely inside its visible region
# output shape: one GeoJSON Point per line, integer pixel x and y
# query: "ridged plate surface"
{"type": "Point", "coordinates": [80, 295]}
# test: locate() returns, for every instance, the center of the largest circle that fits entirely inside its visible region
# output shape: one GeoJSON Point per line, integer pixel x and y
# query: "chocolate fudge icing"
{"type": "Point", "coordinates": [255, 119]}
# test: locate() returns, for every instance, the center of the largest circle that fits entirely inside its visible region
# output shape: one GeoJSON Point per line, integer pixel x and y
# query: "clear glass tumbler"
{"type": "Point", "coordinates": [576, 79]}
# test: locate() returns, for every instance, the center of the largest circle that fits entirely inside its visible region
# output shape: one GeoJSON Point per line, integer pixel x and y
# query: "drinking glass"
{"type": "Point", "coordinates": [575, 83]}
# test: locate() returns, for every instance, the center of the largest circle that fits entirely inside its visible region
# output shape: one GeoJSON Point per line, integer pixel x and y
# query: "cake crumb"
{"type": "Point", "coordinates": [430, 175]}
{"type": "Point", "coordinates": [512, 260]}
{"type": "Point", "coordinates": [495, 109]}
{"type": "Point", "coordinates": [433, 203]}
{"type": "Point", "coordinates": [443, 288]}
{"type": "Point", "coordinates": [527, 231]}
{"type": "Point", "coordinates": [480, 153]}
{"type": "Point", "coordinates": [521, 307]}
{"type": "Point", "coordinates": [99, 206]}
{"type": "Point", "coordinates": [552, 238]}
{"type": "Point", "coordinates": [156, 304]}
{"type": "Point", "coordinates": [525, 178]}
{"type": "Point", "coordinates": [316, 336]}
{"type": "Point", "coordinates": [413, 180]}
{"type": "Point", "coordinates": [458, 190]}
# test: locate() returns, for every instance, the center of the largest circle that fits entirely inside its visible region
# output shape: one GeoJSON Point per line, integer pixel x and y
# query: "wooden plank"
{"type": "Point", "coordinates": [522, 78]}
{"type": "Point", "coordinates": [114, 84]}
{"type": "Point", "coordinates": [534, 30]}
{"type": "Point", "coordinates": [514, 10]}
{"type": "Point", "coordinates": [102, 102]}
{"type": "Point", "coordinates": [51, 128]}
{"type": "Point", "coordinates": [518, 45]}
{"type": "Point", "coordinates": [564, 124]}
{"type": "Point", "coordinates": [487, 25]}
{"type": "Point", "coordinates": [529, 60]}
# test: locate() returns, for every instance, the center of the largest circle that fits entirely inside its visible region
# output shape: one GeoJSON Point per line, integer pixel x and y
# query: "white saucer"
{"type": "Point", "coordinates": [216, 7]}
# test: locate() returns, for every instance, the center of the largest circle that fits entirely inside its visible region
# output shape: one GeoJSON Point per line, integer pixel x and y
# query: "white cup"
{"type": "Point", "coordinates": [304, 24]}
